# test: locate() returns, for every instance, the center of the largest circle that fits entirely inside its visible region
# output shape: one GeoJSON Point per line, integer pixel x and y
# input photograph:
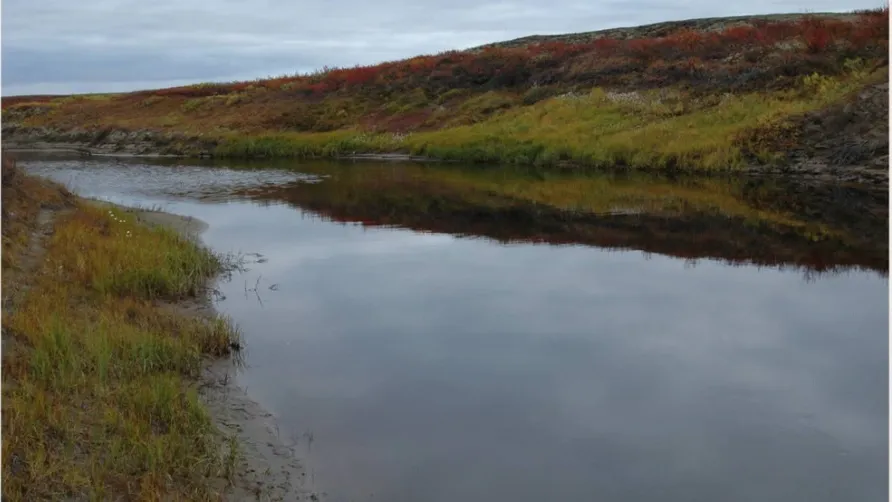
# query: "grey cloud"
{"type": "Point", "coordinates": [108, 43]}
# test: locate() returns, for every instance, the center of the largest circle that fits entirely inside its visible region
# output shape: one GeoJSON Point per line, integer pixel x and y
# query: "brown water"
{"type": "Point", "coordinates": [414, 366]}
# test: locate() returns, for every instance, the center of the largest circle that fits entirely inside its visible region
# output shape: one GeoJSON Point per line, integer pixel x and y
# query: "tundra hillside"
{"type": "Point", "coordinates": [806, 94]}
{"type": "Point", "coordinates": [99, 401]}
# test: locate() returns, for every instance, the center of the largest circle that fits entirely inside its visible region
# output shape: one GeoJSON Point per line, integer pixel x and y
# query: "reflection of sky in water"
{"type": "Point", "coordinates": [116, 177]}
{"type": "Point", "coordinates": [434, 368]}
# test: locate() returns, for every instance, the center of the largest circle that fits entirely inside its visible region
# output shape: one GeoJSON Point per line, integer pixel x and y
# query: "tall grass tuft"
{"type": "Point", "coordinates": [116, 255]}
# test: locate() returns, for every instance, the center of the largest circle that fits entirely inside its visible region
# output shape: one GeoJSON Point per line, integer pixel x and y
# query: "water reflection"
{"type": "Point", "coordinates": [752, 221]}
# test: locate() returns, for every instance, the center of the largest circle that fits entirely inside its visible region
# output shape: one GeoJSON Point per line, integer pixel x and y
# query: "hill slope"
{"type": "Point", "coordinates": [712, 94]}
{"type": "Point", "coordinates": [667, 28]}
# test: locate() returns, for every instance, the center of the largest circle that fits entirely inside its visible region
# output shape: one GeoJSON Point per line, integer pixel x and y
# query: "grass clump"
{"type": "Point", "coordinates": [99, 394]}
{"type": "Point", "coordinates": [115, 255]}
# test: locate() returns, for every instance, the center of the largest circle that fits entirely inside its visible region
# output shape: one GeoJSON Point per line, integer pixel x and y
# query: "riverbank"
{"type": "Point", "coordinates": [800, 95]}
{"type": "Point", "coordinates": [115, 380]}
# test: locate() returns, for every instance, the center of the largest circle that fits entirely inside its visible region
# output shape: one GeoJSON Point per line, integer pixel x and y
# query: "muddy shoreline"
{"type": "Point", "coordinates": [268, 468]}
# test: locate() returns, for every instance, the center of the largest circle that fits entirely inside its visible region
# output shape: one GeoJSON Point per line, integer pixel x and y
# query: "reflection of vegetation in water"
{"type": "Point", "coordinates": [753, 220]}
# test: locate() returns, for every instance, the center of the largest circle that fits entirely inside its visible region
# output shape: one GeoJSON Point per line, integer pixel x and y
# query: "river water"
{"type": "Point", "coordinates": [421, 366]}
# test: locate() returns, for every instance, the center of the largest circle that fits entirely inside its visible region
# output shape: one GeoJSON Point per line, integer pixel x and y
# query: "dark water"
{"type": "Point", "coordinates": [415, 366]}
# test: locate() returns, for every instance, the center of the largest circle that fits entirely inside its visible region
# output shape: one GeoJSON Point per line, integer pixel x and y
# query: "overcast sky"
{"type": "Point", "coordinates": [64, 46]}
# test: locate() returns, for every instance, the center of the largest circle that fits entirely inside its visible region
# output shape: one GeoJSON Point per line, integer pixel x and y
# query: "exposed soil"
{"type": "Point", "coordinates": [848, 142]}
{"type": "Point", "coordinates": [103, 142]}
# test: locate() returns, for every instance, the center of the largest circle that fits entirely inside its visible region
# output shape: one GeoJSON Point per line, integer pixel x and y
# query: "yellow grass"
{"type": "Point", "coordinates": [98, 394]}
{"type": "Point", "coordinates": [657, 129]}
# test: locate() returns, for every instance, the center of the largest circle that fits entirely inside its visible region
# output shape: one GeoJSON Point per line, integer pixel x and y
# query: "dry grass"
{"type": "Point", "coordinates": [23, 197]}
{"type": "Point", "coordinates": [99, 399]}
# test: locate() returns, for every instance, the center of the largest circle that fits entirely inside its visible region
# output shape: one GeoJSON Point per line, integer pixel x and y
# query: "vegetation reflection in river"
{"type": "Point", "coordinates": [762, 221]}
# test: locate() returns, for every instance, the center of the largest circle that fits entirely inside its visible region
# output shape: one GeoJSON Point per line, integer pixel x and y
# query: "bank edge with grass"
{"type": "Point", "coordinates": [100, 369]}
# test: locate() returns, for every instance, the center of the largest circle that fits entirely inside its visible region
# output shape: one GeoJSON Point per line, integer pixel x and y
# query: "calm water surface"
{"type": "Point", "coordinates": [425, 367]}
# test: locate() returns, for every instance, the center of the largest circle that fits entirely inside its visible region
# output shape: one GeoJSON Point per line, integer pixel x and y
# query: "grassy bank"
{"type": "Point", "coordinates": [665, 129]}
{"type": "Point", "coordinates": [689, 96]}
{"type": "Point", "coordinates": [99, 400]}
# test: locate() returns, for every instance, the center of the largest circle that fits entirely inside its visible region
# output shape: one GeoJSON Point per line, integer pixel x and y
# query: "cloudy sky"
{"type": "Point", "coordinates": [61, 46]}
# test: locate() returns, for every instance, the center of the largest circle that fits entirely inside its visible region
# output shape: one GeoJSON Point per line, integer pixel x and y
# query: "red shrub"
{"type": "Point", "coordinates": [277, 83]}
{"type": "Point", "coordinates": [606, 44]}
{"type": "Point", "coordinates": [642, 48]}
{"type": "Point", "coordinates": [360, 75]}
{"type": "Point", "coordinates": [687, 39]}
{"type": "Point", "coordinates": [743, 35]}
{"type": "Point", "coordinates": [779, 31]}
{"type": "Point", "coordinates": [557, 49]}
{"type": "Point", "coordinates": [871, 29]}
{"type": "Point", "coordinates": [815, 34]}
{"type": "Point", "coordinates": [318, 88]}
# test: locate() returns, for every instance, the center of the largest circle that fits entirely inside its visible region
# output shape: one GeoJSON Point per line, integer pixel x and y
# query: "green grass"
{"type": "Point", "coordinates": [99, 400]}
{"type": "Point", "coordinates": [300, 145]}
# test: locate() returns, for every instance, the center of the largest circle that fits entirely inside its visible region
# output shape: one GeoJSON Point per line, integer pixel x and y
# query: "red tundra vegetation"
{"type": "Point", "coordinates": [739, 57]}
